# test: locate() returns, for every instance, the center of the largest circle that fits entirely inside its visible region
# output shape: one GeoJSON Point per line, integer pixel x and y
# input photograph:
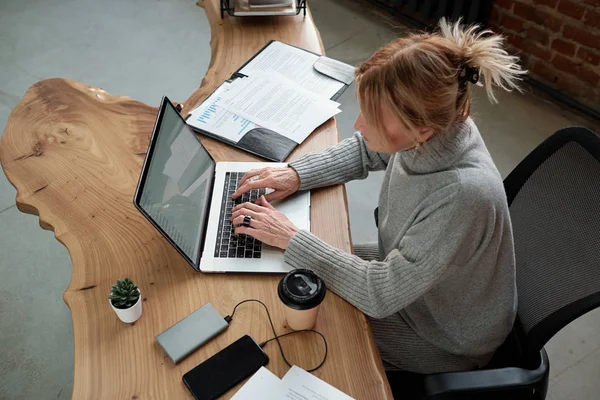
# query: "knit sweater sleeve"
{"type": "Point", "coordinates": [348, 160]}
{"type": "Point", "coordinates": [439, 237]}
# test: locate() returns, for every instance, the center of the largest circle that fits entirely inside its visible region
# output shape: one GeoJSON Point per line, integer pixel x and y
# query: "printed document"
{"type": "Point", "coordinates": [213, 118]}
{"type": "Point", "coordinates": [296, 65]}
{"type": "Point", "coordinates": [297, 384]}
{"type": "Point", "coordinates": [274, 102]}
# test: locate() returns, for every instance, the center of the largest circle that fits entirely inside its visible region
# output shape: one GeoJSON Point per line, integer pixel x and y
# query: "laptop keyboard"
{"type": "Point", "coordinates": [228, 244]}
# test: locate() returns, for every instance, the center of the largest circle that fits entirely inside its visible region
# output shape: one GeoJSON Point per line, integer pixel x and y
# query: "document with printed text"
{"type": "Point", "coordinates": [297, 384]}
{"type": "Point", "coordinates": [272, 101]}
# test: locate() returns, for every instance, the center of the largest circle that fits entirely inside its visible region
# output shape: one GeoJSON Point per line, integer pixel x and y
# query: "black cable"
{"type": "Point", "coordinates": [300, 331]}
{"type": "Point", "coordinates": [276, 338]}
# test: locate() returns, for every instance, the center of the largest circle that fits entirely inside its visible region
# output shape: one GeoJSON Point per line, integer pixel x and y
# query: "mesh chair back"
{"type": "Point", "coordinates": [554, 199]}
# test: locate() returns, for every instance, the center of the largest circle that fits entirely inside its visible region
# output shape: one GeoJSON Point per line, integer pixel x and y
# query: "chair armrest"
{"type": "Point", "coordinates": [446, 384]}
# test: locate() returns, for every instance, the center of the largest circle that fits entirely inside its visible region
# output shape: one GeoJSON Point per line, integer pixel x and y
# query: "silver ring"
{"type": "Point", "coordinates": [247, 219]}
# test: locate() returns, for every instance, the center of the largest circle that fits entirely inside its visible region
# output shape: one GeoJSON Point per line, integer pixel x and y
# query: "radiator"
{"type": "Point", "coordinates": [424, 13]}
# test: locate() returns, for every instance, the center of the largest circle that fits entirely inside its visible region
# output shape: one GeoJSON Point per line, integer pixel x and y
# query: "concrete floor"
{"type": "Point", "coordinates": [146, 49]}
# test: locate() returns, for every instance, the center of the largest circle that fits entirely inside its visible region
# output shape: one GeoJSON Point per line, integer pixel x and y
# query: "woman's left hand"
{"type": "Point", "coordinates": [267, 224]}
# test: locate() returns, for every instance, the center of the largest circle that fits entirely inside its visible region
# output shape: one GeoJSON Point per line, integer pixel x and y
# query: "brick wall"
{"type": "Point", "coordinates": [558, 41]}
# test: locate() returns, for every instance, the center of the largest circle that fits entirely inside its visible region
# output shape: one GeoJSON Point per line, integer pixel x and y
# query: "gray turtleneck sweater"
{"type": "Point", "coordinates": [446, 268]}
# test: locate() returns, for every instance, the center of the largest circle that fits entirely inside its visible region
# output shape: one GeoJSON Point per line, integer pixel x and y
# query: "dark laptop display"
{"type": "Point", "coordinates": [176, 184]}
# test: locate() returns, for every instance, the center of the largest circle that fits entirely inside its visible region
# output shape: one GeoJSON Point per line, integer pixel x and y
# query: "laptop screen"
{"type": "Point", "coordinates": [178, 182]}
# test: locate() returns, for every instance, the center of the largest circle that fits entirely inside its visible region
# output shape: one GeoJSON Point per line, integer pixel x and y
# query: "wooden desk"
{"type": "Point", "coordinates": [74, 154]}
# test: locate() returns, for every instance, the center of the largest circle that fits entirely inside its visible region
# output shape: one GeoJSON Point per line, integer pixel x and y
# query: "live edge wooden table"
{"type": "Point", "coordinates": [74, 154]}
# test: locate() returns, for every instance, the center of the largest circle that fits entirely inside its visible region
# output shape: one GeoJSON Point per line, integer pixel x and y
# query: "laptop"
{"type": "Point", "coordinates": [186, 195]}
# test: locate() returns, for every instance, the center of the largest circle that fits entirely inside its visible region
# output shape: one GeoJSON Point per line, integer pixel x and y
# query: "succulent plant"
{"type": "Point", "coordinates": [124, 294]}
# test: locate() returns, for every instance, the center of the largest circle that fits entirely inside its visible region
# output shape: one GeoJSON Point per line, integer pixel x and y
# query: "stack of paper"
{"type": "Point", "coordinates": [270, 3]}
{"type": "Point", "coordinates": [280, 93]}
{"type": "Point", "coordinates": [265, 99]}
{"type": "Point", "coordinates": [296, 65]}
{"type": "Point", "coordinates": [270, 100]}
{"type": "Point", "coordinates": [211, 117]}
{"type": "Point", "coordinates": [245, 8]}
{"type": "Point", "coordinates": [297, 384]}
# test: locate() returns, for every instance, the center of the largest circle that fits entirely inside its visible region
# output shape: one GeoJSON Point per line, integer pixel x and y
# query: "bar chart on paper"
{"type": "Point", "coordinates": [212, 114]}
{"type": "Point", "coordinates": [215, 119]}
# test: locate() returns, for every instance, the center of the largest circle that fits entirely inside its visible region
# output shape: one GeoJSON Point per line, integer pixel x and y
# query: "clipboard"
{"type": "Point", "coordinates": [264, 142]}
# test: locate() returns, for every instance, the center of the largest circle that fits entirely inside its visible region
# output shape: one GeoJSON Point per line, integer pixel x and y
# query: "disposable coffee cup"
{"type": "Point", "coordinates": [301, 291]}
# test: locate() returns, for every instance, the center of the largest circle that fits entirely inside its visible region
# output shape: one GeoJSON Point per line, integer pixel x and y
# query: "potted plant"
{"type": "Point", "coordinates": [126, 299]}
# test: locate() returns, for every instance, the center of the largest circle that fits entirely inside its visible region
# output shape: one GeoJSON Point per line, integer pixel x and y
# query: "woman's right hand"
{"type": "Point", "coordinates": [283, 182]}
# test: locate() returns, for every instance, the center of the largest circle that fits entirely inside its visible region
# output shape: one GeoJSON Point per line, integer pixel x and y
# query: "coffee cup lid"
{"type": "Point", "coordinates": [301, 289]}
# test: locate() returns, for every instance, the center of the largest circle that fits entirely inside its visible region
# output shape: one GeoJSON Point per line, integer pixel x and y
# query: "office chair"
{"type": "Point", "coordinates": [554, 198]}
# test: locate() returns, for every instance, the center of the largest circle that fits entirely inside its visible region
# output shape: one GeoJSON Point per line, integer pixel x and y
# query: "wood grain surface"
{"type": "Point", "coordinates": [74, 154]}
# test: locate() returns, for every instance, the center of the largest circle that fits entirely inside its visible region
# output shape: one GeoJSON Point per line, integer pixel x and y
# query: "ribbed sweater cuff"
{"type": "Point", "coordinates": [336, 165]}
{"type": "Point", "coordinates": [303, 167]}
{"type": "Point", "coordinates": [370, 288]}
{"type": "Point", "coordinates": [338, 269]}
{"type": "Point", "coordinates": [305, 250]}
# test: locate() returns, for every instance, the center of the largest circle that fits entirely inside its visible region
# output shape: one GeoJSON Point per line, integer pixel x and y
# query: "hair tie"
{"type": "Point", "coordinates": [469, 74]}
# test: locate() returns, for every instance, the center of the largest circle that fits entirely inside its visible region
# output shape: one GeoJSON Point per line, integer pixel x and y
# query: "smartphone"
{"type": "Point", "coordinates": [225, 369]}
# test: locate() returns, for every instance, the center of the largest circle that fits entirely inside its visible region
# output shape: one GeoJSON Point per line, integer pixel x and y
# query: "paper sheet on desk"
{"type": "Point", "coordinates": [211, 117]}
{"type": "Point", "coordinates": [295, 64]}
{"type": "Point", "coordinates": [262, 385]}
{"type": "Point", "coordinates": [278, 104]}
{"type": "Point", "coordinates": [297, 384]}
{"type": "Point", "coordinates": [302, 385]}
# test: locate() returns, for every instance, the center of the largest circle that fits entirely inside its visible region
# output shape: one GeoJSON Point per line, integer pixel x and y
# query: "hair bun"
{"type": "Point", "coordinates": [482, 49]}
{"type": "Point", "coordinates": [469, 74]}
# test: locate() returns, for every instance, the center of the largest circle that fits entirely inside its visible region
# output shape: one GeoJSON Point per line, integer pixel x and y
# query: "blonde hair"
{"type": "Point", "coordinates": [418, 78]}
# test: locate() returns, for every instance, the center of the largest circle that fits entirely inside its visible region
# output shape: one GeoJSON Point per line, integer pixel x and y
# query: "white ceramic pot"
{"type": "Point", "coordinates": [131, 314]}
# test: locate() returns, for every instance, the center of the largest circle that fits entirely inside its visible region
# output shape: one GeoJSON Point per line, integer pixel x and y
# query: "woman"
{"type": "Point", "coordinates": [440, 286]}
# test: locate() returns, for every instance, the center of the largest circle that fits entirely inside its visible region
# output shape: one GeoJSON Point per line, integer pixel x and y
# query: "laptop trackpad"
{"type": "Point", "coordinates": [296, 208]}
